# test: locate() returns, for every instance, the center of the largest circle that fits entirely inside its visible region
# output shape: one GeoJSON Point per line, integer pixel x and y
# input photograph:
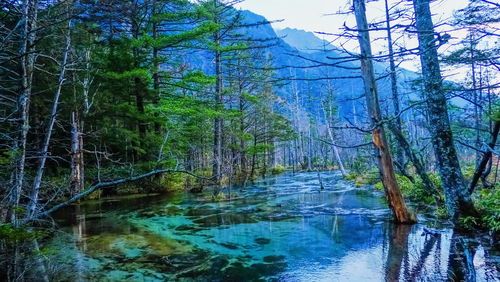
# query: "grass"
{"type": "Point", "coordinates": [487, 201]}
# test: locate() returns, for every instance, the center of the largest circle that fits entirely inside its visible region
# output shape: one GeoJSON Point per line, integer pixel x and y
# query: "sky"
{"type": "Point", "coordinates": [315, 15]}
{"type": "Point", "coordinates": [319, 16]}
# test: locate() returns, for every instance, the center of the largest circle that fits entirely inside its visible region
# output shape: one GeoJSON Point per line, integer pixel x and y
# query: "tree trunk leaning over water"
{"type": "Point", "coordinates": [391, 187]}
{"type": "Point", "coordinates": [108, 184]}
{"type": "Point", "coordinates": [458, 201]}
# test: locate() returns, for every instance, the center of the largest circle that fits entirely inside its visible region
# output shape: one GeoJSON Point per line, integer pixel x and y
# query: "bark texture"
{"type": "Point", "coordinates": [26, 66]}
{"type": "Point", "coordinates": [458, 201]}
{"type": "Point", "coordinates": [77, 165]}
{"type": "Point", "coordinates": [392, 191]}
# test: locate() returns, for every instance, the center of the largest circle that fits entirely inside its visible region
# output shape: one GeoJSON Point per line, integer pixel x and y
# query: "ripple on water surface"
{"type": "Point", "coordinates": [282, 228]}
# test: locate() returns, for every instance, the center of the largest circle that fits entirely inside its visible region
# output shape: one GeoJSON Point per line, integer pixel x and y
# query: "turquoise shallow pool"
{"type": "Point", "coordinates": [280, 229]}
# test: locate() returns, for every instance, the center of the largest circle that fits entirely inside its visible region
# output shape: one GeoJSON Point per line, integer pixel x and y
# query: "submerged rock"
{"type": "Point", "coordinates": [132, 245]}
{"type": "Point", "coordinates": [272, 259]}
{"type": "Point", "coordinates": [262, 241]}
{"type": "Point", "coordinates": [230, 246]}
{"type": "Point", "coordinates": [223, 219]}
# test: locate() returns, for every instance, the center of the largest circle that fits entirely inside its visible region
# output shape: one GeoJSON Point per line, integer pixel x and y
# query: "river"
{"type": "Point", "coordinates": [282, 228]}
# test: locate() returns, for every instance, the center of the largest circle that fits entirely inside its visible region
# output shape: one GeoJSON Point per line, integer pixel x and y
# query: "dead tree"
{"type": "Point", "coordinates": [386, 166]}
{"type": "Point", "coordinates": [35, 191]}
{"type": "Point", "coordinates": [77, 163]}
{"type": "Point", "coordinates": [27, 62]}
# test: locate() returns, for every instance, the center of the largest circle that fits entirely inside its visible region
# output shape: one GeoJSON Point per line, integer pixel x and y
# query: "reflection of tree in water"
{"type": "Point", "coordinates": [469, 260]}
{"type": "Point", "coordinates": [415, 256]}
{"type": "Point", "coordinates": [461, 260]}
{"type": "Point", "coordinates": [403, 265]}
{"type": "Point", "coordinates": [79, 232]}
{"type": "Point", "coordinates": [398, 250]}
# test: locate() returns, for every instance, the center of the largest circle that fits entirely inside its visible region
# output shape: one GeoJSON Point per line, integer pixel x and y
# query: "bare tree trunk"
{"type": "Point", "coordinates": [393, 193]}
{"type": "Point", "coordinates": [399, 152]}
{"type": "Point", "coordinates": [254, 153]}
{"type": "Point", "coordinates": [457, 198]}
{"type": "Point", "coordinates": [477, 115]}
{"type": "Point", "coordinates": [77, 165]}
{"type": "Point", "coordinates": [241, 108]}
{"type": "Point", "coordinates": [332, 140]}
{"type": "Point", "coordinates": [35, 192]}
{"type": "Point", "coordinates": [27, 62]}
{"type": "Point", "coordinates": [218, 122]}
{"type": "Point", "coordinates": [87, 81]}
{"type": "Point", "coordinates": [329, 118]}
{"type": "Point", "coordinates": [309, 149]}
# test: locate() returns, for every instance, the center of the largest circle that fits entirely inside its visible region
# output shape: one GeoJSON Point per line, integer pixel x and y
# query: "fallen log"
{"type": "Point", "coordinates": [102, 185]}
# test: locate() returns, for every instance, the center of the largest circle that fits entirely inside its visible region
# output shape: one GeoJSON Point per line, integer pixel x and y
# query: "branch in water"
{"type": "Point", "coordinates": [102, 185]}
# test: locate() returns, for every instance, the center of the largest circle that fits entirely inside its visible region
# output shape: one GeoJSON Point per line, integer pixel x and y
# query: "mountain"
{"type": "Point", "coordinates": [302, 40]}
{"type": "Point", "coordinates": [295, 55]}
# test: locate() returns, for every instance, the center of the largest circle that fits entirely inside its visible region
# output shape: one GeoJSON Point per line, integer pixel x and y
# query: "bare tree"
{"type": "Point", "coordinates": [28, 26]}
{"type": "Point", "coordinates": [393, 193]}
{"type": "Point", "coordinates": [37, 183]}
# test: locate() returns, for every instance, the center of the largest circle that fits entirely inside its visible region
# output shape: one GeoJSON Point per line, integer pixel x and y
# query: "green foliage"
{"type": "Point", "coordinates": [468, 222]}
{"type": "Point", "coordinates": [369, 177]}
{"type": "Point", "coordinates": [219, 197]}
{"type": "Point", "coordinates": [6, 157]}
{"type": "Point", "coordinates": [360, 164]}
{"type": "Point", "coordinates": [416, 192]}
{"type": "Point", "coordinates": [487, 202]}
{"type": "Point", "coordinates": [173, 181]}
{"type": "Point", "coordinates": [468, 171]}
{"type": "Point", "coordinates": [441, 212]}
{"type": "Point", "coordinates": [379, 186]}
{"type": "Point", "coordinates": [278, 169]}
{"type": "Point", "coordinates": [260, 148]}
{"type": "Point", "coordinates": [13, 235]}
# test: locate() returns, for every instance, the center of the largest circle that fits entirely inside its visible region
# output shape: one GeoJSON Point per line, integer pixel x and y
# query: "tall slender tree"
{"type": "Point", "coordinates": [393, 193]}
{"type": "Point", "coordinates": [458, 201]}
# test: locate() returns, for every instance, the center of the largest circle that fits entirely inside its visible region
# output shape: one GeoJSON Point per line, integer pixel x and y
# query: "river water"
{"type": "Point", "coordinates": [279, 229]}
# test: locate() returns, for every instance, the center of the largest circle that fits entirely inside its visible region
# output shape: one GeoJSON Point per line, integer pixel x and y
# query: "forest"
{"type": "Point", "coordinates": [178, 140]}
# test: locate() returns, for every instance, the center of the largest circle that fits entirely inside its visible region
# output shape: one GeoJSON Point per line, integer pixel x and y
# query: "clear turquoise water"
{"type": "Point", "coordinates": [280, 229]}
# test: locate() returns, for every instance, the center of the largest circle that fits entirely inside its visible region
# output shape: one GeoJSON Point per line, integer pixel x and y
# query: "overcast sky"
{"type": "Point", "coordinates": [312, 15]}
{"type": "Point", "coordinates": [316, 16]}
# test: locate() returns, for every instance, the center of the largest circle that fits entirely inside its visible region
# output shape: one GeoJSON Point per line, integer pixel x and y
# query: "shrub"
{"type": "Point", "coordinates": [488, 203]}
{"type": "Point", "coordinates": [278, 169]}
{"type": "Point", "coordinates": [441, 212]}
{"type": "Point", "coordinates": [468, 171]}
{"type": "Point", "coordinates": [416, 192]}
{"type": "Point", "coordinates": [12, 235]}
{"type": "Point", "coordinates": [361, 179]}
{"type": "Point", "coordinates": [468, 222]}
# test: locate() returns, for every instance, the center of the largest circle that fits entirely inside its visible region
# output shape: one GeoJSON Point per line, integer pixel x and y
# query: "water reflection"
{"type": "Point", "coordinates": [398, 252]}
{"type": "Point", "coordinates": [283, 229]}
